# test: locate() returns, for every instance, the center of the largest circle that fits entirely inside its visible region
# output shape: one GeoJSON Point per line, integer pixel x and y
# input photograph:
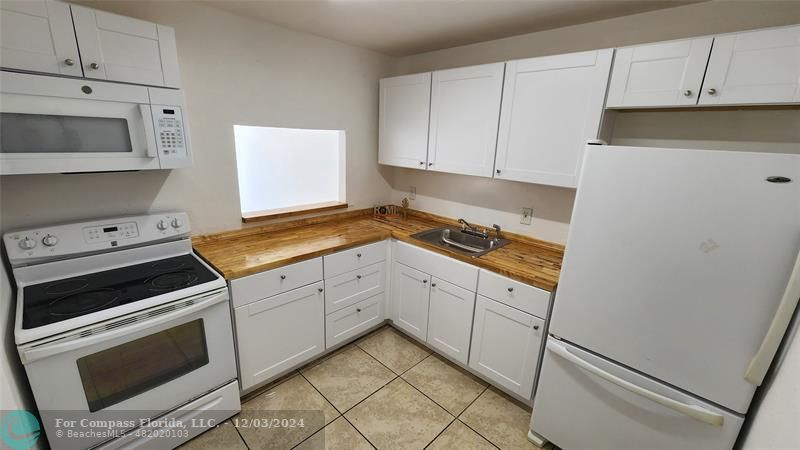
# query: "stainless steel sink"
{"type": "Point", "coordinates": [458, 241]}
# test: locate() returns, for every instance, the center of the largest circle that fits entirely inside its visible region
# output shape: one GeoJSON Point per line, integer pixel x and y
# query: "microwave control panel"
{"type": "Point", "coordinates": [170, 132]}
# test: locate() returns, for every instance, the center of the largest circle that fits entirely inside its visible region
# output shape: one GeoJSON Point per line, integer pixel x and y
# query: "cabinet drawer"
{"type": "Point", "coordinates": [266, 284]}
{"type": "Point", "coordinates": [513, 293]}
{"type": "Point", "coordinates": [278, 333]}
{"type": "Point", "coordinates": [355, 258]}
{"type": "Point", "coordinates": [440, 266]}
{"type": "Point", "coordinates": [352, 287]}
{"type": "Point", "coordinates": [353, 320]}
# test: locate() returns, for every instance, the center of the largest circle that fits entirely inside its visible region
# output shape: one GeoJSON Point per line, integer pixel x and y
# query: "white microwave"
{"type": "Point", "coordinates": [61, 125]}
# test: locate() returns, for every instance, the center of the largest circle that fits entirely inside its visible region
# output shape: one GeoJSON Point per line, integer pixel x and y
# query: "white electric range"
{"type": "Point", "coordinates": [123, 331]}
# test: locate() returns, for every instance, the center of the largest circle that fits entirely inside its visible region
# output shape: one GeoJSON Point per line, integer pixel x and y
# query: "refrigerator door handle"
{"type": "Point", "coordinates": [759, 365]}
{"type": "Point", "coordinates": [693, 411]}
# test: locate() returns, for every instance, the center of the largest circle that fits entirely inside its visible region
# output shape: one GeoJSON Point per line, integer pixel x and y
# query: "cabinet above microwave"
{"type": "Point", "coordinates": [48, 36]}
{"type": "Point", "coordinates": [61, 125]}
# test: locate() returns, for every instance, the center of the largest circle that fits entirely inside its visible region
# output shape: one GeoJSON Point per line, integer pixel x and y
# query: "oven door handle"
{"type": "Point", "coordinates": [142, 322]}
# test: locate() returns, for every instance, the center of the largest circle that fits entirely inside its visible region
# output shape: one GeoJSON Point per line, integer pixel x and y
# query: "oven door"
{"type": "Point", "coordinates": [132, 368]}
{"type": "Point", "coordinates": [52, 125]}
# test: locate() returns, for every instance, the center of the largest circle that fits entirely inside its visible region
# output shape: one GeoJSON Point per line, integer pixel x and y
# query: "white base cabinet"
{"type": "Point", "coordinates": [279, 332]}
{"type": "Point", "coordinates": [410, 297]}
{"type": "Point", "coordinates": [450, 319]}
{"type": "Point", "coordinates": [353, 320]}
{"type": "Point", "coordinates": [505, 345]}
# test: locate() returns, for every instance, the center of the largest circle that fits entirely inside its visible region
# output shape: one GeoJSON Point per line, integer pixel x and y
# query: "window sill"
{"type": "Point", "coordinates": [279, 213]}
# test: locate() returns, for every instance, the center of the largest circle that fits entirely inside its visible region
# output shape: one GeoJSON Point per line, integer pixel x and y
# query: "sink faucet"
{"type": "Point", "coordinates": [471, 229]}
{"type": "Point", "coordinates": [496, 231]}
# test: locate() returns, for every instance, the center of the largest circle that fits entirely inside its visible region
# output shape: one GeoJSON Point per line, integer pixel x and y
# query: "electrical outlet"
{"type": "Point", "coordinates": [527, 215]}
{"type": "Point", "coordinates": [412, 193]}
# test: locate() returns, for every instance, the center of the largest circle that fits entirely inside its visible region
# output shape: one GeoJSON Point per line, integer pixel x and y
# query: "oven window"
{"type": "Point", "coordinates": [40, 133]}
{"type": "Point", "coordinates": [127, 370]}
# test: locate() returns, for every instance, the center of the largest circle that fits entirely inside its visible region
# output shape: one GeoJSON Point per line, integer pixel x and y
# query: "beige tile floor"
{"type": "Point", "coordinates": [384, 391]}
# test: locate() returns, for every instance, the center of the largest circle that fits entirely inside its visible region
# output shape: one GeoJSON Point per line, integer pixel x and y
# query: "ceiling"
{"type": "Point", "coordinates": [405, 27]}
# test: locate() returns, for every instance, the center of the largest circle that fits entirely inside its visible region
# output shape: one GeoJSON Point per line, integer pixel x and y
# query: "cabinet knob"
{"type": "Point", "coordinates": [69, 62]}
{"type": "Point", "coordinates": [422, 163]}
{"type": "Point", "coordinates": [358, 255]}
{"type": "Point", "coordinates": [94, 66]}
{"type": "Point", "coordinates": [687, 93]}
{"type": "Point", "coordinates": [358, 309]}
{"type": "Point", "coordinates": [358, 277]}
{"type": "Point", "coordinates": [424, 281]}
{"type": "Point", "coordinates": [430, 164]}
{"type": "Point", "coordinates": [536, 327]}
{"type": "Point", "coordinates": [712, 91]}
{"type": "Point", "coordinates": [283, 277]}
{"type": "Point", "coordinates": [320, 289]}
{"type": "Point", "coordinates": [498, 171]}
{"type": "Point", "coordinates": [511, 289]}
{"type": "Point", "coordinates": [433, 284]}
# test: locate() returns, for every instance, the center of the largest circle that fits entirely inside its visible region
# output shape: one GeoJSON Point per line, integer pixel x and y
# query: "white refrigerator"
{"type": "Point", "coordinates": [680, 277]}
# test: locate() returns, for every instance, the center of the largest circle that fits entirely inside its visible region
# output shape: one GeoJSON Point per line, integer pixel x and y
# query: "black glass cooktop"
{"type": "Point", "coordinates": [54, 301]}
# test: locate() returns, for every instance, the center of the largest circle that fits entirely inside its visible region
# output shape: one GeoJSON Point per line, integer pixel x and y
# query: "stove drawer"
{"type": "Point", "coordinates": [272, 282]}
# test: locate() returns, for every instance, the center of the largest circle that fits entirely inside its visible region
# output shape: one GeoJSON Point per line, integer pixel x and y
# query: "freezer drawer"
{"type": "Point", "coordinates": [584, 401]}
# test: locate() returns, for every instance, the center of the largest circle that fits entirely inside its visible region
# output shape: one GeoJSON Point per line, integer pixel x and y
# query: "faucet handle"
{"type": "Point", "coordinates": [496, 230]}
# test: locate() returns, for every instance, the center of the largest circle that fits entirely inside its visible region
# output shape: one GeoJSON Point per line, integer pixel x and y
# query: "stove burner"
{"type": "Point", "coordinates": [66, 287]}
{"type": "Point", "coordinates": [167, 265]}
{"type": "Point", "coordinates": [171, 280]}
{"type": "Point", "coordinates": [83, 302]}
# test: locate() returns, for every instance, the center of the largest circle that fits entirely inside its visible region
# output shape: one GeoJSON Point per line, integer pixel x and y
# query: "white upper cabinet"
{"type": "Point", "coordinates": [403, 124]}
{"type": "Point", "coordinates": [760, 67]}
{"type": "Point", "coordinates": [118, 48]}
{"type": "Point", "coordinates": [465, 105]}
{"type": "Point", "coordinates": [37, 36]}
{"type": "Point", "coordinates": [660, 74]}
{"type": "Point", "coordinates": [551, 106]}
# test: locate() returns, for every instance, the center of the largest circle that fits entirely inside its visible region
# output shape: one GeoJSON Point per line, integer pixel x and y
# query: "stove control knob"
{"type": "Point", "coordinates": [50, 240]}
{"type": "Point", "coordinates": [177, 223]}
{"type": "Point", "coordinates": [27, 243]}
{"type": "Point", "coordinates": [162, 225]}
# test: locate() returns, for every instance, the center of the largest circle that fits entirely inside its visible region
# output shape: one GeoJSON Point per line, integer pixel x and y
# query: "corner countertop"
{"type": "Point", "coordinates": [244, 252]}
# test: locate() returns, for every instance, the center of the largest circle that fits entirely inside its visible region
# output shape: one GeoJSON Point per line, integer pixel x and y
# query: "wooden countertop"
{"type": "Point", "coordinates": [244, 252]}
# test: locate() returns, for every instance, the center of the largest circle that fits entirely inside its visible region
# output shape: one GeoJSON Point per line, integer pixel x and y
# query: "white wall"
{"type": "Point", "coordinates": [234, 71]}
{"type": "Point", "coordinates": [486, 201]}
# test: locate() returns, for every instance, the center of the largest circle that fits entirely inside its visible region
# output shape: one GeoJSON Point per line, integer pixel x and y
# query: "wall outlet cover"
{"type": "Point", "coordinates": [527, 216]}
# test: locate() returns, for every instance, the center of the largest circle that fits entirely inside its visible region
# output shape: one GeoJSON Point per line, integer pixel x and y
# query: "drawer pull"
{"type": "Point", "coordinates": [358, 277]}
{"type": "Point", "coordinates": [536, 327]}
{"type": "Point", "coordinates": [358, 255]}
{"type": "Point", "coordinates": [511, 289]}
{"type": "Point", "coordinates": [320, 289]}
{"type": "Point", "coordinates": [358, 309]}
{"type": "Point", "coordinates": [424, 281]}
{"type": "Point", "coordinates": [283, 277]}
{"type": "Point", "coordinates": [433, 284]}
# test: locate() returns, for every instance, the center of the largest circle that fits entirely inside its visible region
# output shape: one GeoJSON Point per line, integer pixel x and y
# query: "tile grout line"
{"type": "Point", "coordinates": [341, 414]}
{"type": "Point", "coordinates": [467, 425]}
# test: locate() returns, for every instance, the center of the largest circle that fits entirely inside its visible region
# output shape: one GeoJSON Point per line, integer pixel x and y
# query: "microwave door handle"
{"type": "Point", "coordinates": [760, 363]}
{"type": "Point", "coordinates": [28, 355]}
{"type": "Point", "coordinates": [149, 130]}
{"type": "Point", "coordinates": [694, 411]}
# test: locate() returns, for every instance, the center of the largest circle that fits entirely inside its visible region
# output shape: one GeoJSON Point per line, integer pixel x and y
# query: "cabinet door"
{"type": "Point", "coordinates": [120, 48]}
{"type": "Point", "coordinates": [280, 332]}
{"type": "Point", "coordinates": [450, 319]}
{"type": "Point", "coordinates": [465, 106]}
{"type": "Point", "coordinates": [505, 345]}
{"type": "Point", "coordinates": [755, 67]}
{"type": "Point", "coordinates": [403, 124]}
{"type": "Point", "coordinates": [551, 107]}
{"type": "Point", "coordinates": [410, 295]}
{"type": "Point", "coordinates": [662, 74]}
{"type": "Point", "coordinates": [38, 36]}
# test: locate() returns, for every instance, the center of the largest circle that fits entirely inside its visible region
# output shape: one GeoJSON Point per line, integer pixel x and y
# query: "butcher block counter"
{"type": "Point", "coordinates": [244, 252]}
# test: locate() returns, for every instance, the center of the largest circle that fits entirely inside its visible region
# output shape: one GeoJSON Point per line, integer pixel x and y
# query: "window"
{"type": "Point", "coordinates": [288, 171]}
